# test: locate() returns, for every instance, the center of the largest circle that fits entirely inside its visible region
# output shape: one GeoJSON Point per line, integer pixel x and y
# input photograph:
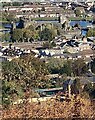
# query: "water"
{"type": "Point", "coordinates": [81, 23]}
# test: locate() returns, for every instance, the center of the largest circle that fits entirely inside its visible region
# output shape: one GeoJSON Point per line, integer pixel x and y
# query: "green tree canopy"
{"type": "Point", "coordinates": [90, 33]}
{"type": "Point", "coordinates": [93, 65]}
{"type": "Point", "coordinates": [77, 12]}
{"type": "Point", "coordinates": [17, 34]}
{"type": "Point", "coordinates": [79, 67]}
{"type": "Point", "coordinates": [19, 75]}
{"type": "Point", "coordinates": [8, 16]}
{"type": "Point", "coordinates": [90, 89]}
{"type": "Point", "coordinates": [46, 34]}
{"type": "Point", "coordinates": [59, 66]}
{"type": "Point", "coordinates": [54, 65]}
{"type": "Point", "coordinates": [5, 37]}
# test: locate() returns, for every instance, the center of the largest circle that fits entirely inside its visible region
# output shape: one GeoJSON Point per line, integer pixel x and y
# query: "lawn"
{"type": "Point", "coordinates": [45, 18]}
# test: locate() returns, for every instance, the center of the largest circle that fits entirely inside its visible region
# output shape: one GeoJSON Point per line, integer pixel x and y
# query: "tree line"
{"type": "Point", "coordinates": [32, 33]}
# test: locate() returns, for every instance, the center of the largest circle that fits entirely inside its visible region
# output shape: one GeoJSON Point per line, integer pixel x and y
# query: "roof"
{"type": "Point", "coordinates": [47, 90]}
{"type": "Point", "coordinates": [91, 38]}
{"type": "Point", "coordinates": [86, 52]}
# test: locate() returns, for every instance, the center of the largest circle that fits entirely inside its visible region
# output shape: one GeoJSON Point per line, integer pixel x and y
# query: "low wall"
{"type": "Point", "coordinates": [40, 99]}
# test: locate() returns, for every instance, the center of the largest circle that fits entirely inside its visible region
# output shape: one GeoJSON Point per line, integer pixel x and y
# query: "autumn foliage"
{"type": "Point", "coordinates": [77, 107]}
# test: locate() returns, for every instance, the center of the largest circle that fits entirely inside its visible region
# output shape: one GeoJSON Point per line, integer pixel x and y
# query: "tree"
{"type": "Point", "coordinates": [79, 67]}
{"type": "Point", "coordinates": [93, 65]}
{"type": "Point", "coordinates": [22, 74]}
{"type": "Point", "coordinates": [31, 27]}
{"type": "Point", "coordinates": [46, 34]}
{"type": "Point", "coordinates": [5, 37]}
{"type": "Point", "coordinates": [6, 4]}
{"type": "Point", "coordinates": [27, 34]}
{"type": "Point", "coordinates": [18, 34]}
{"type": "Point", "coordinates": [4, 16]}
{"type": "Point", "coordinates": [59, 66]}
{"type": "Point", "coordinates": [53, 44]}
{"type": "Point", "coordinates": [16, 4]}
{"type": "Point", "coordinates": [48, 44]}
{"type": "Point", "coordinates": [58, 32]}
{"type": "Point", "coordinates": [53, 29]}
{"type": "Point", "coordinates": [90, 33]}
{"type": "Point", "coordinates": [8, 16]}
{"type": "Point", "coordinates": [78, 12]}
{"type": "Point", "coordinates": [90, 89]}
{"type": "Point", "coordinates": [54, 65]}
{"type": "Point", "coordinates": [67, 68]}
{"type": "Point", "coordinates": [33, 32]}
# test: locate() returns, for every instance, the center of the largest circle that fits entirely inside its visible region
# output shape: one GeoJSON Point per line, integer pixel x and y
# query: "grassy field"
{"type": "Point", "coordinates": [2, 21]}
{"type": "Point", "coordinates": [45, 18]}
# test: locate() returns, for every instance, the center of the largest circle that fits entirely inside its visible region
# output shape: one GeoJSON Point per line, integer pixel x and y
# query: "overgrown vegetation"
{"type": "Point", "coordinates": [20, 75]}
{"type": "Point", "coordinates": [91, 32]}
{"type": "Point", "coordinates": [77, 108]}
{"type": "Point", "coordinates": [27, 72]}
{"type": "Point", "coordinates": [60, 66]}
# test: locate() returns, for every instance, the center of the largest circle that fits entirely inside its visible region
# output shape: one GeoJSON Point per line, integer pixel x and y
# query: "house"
{"type": "Point", "coordinates": [90, 2]}
{"type": "Point", "coordinates": [91, 39]}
